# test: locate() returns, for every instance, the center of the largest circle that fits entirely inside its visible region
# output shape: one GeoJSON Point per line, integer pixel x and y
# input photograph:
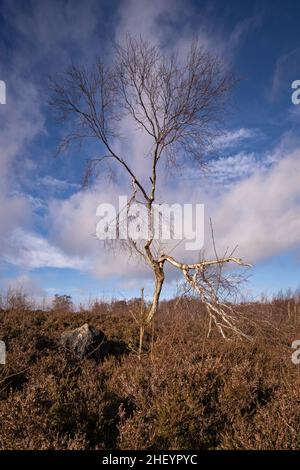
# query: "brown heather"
{"type": "Point", "coordinates": [186, 392]}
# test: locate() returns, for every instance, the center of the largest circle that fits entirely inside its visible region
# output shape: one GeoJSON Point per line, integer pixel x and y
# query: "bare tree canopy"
{"type": "Point", "coordinates": [179, 104]}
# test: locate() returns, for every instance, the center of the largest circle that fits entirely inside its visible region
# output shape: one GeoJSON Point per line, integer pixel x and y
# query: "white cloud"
{"type": "Point", "coordinates": [286, 70]}
{"type": "Point", "coordinates": [261, 214]}
{"type": "Point", "coordinates": [21, 122]}
{"type": "Point", "coordinates": [72, 228]}
{"type": "Point", "coordinates": [221, 173]}
{"type": "Point", "coordinates": [30, 251]}
{"type": "Point", "coordinates": [22, 118]}
{"type": "Point", "coordinates": [26, 285]}
{"type": "Point", "coordinates": [174, 23]}
{"type": "Point", "coordinates": [234, 137]}
{"type": "Point", "coordinates": [56, 185]}
{"type": "Point", "coordinates": [51, 31]}
{"type": "Point", "coordinates": [225, 171]}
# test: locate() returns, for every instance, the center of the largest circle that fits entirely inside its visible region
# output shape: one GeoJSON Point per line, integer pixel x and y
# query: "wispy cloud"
{"type": "Point", "coordinates": [57, 185]}
{"type": "Point", "coordinates": [235, 137]}
{"type": "Point", "coordinates": [24, 283]}
{"type": "Point", "coordinates": [286, 70]}
{"type": "Point", "coordinates": [30, 251]}
{"type": "Point", "coordinates": [261, 213]}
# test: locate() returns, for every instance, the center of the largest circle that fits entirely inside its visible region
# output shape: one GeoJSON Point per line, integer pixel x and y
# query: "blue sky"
{"type": "Point", "coordinates": [251, 192]}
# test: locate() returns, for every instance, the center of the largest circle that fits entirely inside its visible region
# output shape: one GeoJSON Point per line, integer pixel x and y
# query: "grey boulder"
{"type": "Point", "coordinates": [83, 341]}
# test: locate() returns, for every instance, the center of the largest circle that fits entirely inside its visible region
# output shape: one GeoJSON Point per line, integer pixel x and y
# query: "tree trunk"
{"type": "Point", "coordinates": [159, 280]}
{"type": "Point", "coordinates": [142, 331]}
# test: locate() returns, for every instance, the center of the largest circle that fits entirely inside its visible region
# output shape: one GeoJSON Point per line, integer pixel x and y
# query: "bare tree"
{"type": "Point", "coordinates": [178, 104]}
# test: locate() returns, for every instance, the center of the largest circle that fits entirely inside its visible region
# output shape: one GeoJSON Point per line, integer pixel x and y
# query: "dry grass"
{"type": "Point", "coordinates": [187, 391]}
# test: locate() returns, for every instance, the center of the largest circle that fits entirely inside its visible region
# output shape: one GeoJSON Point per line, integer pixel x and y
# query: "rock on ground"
{"type": "Point", "coordinates": [83, 341]}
